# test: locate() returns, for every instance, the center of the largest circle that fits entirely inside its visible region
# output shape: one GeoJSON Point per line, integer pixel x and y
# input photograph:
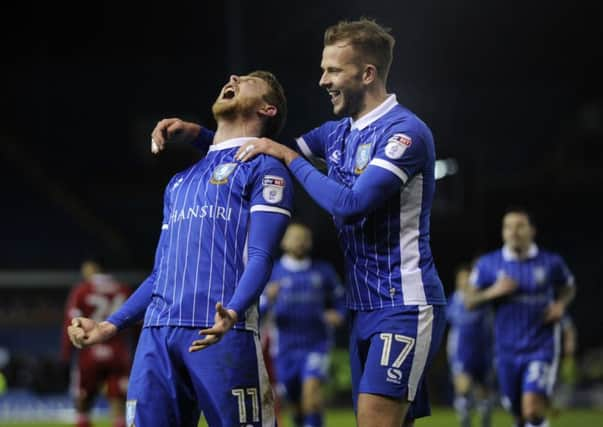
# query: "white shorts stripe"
{"type": "Point", "coordinates": [390, 167]}
{"type": "Point", "coordinates": [266, 393]}
{"type": "Point", "coordinates": [422, 345]}
{"type": "Point", "coordinates": [265, 208]}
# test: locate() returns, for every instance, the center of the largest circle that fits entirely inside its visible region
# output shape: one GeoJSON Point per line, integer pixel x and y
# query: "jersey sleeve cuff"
{"type": "Point", "coordinates": [267, 208]}
{"type": "Point", "coordinates": [384, 164]}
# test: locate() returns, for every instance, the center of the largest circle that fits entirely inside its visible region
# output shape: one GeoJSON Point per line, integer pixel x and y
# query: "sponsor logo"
{"type": "Point", "coordinates": [363, 156]}
{"type": "Point", "coordinates": [397, 145]}
{"type": "Point", "coordinates": [222, 172]}
{"type": "Point", "coordinates": [274, 187]}
{"type": "Point", "coordinates": [198, 211]}
{"type": "Point", "coordinates": [394, 376]}
{"type": "Point", "coordinates": [130, 413]}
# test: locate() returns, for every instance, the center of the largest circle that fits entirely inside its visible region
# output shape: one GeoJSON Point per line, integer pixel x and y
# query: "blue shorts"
{"type": "Point", "coordinates": [294, 367]}
{"type": "Point", "coordinates": [391, 349]}
{"type": "Point", "coordinates": [520, 375]}
{"type": "Point", "coordinates": [227, 381]}
{"type": "Point", "coordinates": [470, 358]}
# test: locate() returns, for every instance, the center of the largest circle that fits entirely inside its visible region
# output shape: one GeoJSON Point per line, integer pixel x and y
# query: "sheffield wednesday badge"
{"type": "Point", "coordinates": [363, 156]}
{"type": "Point", "coordinates": [222, 172]}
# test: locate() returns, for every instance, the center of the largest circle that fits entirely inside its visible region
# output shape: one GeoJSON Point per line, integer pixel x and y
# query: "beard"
{"type": "Point", "coordinates": [353, 103]}
{"type": "Point", "coordinates": [232, 108]}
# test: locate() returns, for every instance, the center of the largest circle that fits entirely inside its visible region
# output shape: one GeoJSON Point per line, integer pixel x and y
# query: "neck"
{"type": "Point", "coordinates": [521, 251]}
{"type": "Point", "coordinates": [237, 127]}
{"type": "Point", "coordinates": [373, 97]}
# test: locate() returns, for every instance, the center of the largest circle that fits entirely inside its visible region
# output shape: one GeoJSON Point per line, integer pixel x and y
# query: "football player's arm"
{"type": "Point", "coordinates": [485, 288]}
{"type": "Point", "coordinates": [176, 131]}
{"type": "Point", "coordinates": [565, 291]}
{"type": "Point", "coordinates": [71, 310]}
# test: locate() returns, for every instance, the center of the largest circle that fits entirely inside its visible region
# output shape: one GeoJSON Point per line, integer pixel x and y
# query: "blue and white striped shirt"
{"type": "Point", "coordinates": [518, 323]}
{"type": "Point", "coordinates": [387, 252]}
{"type": "Point", "coordinates": [201, 254]}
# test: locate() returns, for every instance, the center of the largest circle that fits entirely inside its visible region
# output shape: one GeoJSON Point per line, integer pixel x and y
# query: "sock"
{"type": "Point", "coordinates": [538, 422]}
{"type": "Point", "coordinates": [119, 422]}
{"type": "Point", "coordinates": [462, 404]}
{"type": "Point", "coordinates": [313, 420]}
{"type": "Point", "coordinates": [82, 420]}
{"type": "Point", "coordinates": [484, 407]}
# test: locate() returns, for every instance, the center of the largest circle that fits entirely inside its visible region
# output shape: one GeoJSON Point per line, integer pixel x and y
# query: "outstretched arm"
{"type": "Point", "coordinates": [176, 131]}
{"type": "Point", "coordinates": [373, 187]}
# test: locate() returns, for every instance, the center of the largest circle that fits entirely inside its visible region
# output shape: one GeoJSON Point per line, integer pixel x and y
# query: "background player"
{"type": "Point", "coordinates": [107, 364]}
{"type": "Point", "coordinates": [222, 222]}
{"type": "Point", "coordinates": [306, 302]}
{"type": "Point", "coordinates": [531, 289]}
{"type": "Point", "coordinates": [470, 353]}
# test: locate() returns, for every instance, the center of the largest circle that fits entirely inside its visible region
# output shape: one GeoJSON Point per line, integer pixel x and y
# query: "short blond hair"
{"type": "Point", "coordinates": [276, 97]}
{"type": "Point", "coordinates": [371, 40]}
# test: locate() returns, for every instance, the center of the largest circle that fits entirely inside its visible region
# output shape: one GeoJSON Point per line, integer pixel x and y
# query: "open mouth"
{"type": "Point", "coordinates": [228, 93]}
{"type": "Point", "coordinates": [335, 94]}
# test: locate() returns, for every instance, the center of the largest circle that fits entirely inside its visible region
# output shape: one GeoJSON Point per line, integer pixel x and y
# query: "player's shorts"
{"type": "Point", "coordinates": [228, 382]}
{"type": "Point", "coordinates": [99, 366]}
{"type": "Point", "coordinates": [472, 358]}
{"type": "Point", "coordinates": [295, 367]}
{"type": "Point", "coordinates": [391, 349]}
{"type": "Point", "coordinates": [517, 376]}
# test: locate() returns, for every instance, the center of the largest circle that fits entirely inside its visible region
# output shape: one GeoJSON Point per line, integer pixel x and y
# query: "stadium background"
{"type": "Point", "coordinates": [512, 91]}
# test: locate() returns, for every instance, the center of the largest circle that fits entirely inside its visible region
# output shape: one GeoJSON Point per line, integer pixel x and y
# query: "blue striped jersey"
{"type": "Point", "coordinates": [201, 254]}
{"type": "Point", "coordinates": [306, 289]}
{"type": "Point", "coordinates": [470, 330]}
{"type": "Point", "coordinates": [387, 253]}
{"type": "Point", "coordinates": [518, 323]}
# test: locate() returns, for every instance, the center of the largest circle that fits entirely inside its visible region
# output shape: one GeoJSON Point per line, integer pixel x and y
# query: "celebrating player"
{"type": "Point", "coordinates": [107, 364]}
{"type": "Point", "coordinates": [222, 221]}
{"type": "Point", "coordinates": [531, 289]}
{"type": "Point", "coordinates": [380, 159]}
{"type": "Point", "coordinates": [470, 353]}
{"type": "Point", "coordinates": [306, 301]}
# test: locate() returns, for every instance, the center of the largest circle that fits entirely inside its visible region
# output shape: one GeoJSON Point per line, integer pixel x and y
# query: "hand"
{"type": "Point", "coordinates": [272, 290]}
{"type": "Point", "coordinates": [333, 318]}
{"type": "Point", "coordinates": [502, 287]}
{"type": "Point", "coordinates": [172, 130]}
{"type": "Point", "coordinates": [84, 332]}
{"type": "Point", "coordinates": [267, 146]}
{"type": "Point", "coordinates": [224, 320]}
{"type": "Point", "coordinates": [554, 312]}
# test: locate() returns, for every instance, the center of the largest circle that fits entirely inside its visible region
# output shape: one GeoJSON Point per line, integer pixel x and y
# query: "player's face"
{"type": "Point", "coordinates": [517, 231]}
{"type": "Point", "coordinates": [297, 241]}
{"type": "Point", "coordinates": [242, 95]}
{"type": "Point", "coordinates": [89, 268]}
{"type": "Point", "coordinates": [342, 78]}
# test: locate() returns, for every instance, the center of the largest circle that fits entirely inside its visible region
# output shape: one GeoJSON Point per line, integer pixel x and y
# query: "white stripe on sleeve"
{"type": "Point", "coordinates": [390, 167]}
{"type": "Point", "coordinates": [266, 208]}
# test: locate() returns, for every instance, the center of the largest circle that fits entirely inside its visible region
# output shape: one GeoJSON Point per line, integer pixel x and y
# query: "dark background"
{"type": "Point", "coordinates": [511, 90]}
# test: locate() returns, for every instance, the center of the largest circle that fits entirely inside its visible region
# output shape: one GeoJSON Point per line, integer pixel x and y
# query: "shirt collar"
{"type": "Point", "coordinates": [293, 264]}
{"type": "Point", "coordinates": [510, 255]}
{"type": "Point", "coordinates": [375, 114]}
{"type": "Point", "coordinates": [230, 143]}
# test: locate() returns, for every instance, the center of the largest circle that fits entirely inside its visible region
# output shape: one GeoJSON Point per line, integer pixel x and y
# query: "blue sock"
{"type": "Point", "coordinates": [313, 420]}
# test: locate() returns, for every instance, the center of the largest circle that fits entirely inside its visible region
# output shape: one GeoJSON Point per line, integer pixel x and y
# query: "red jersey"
{"type": "Point", "coordinates": [96, 299]}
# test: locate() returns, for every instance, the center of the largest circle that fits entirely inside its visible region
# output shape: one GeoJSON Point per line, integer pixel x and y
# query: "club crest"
{"type": "Point", "coordinates": [363, 156]}
{"type": "Point", "coordinates": [222, 172]}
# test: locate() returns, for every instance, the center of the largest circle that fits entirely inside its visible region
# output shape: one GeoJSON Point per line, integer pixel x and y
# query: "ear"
{"type": "Point", "coordinates": [268, 110]}
{"type": "Point", "coordinates": [370, 74]}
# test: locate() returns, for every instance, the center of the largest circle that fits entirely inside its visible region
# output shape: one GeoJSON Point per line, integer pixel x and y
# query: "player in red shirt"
{"type": "Point", "coordinates": [107, 364]}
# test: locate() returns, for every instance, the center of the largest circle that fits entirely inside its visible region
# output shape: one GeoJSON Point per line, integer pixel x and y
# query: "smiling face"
{"type": "Point", "coordinates": [242, 95]}
{"type": "Point", "coordinates": [342, 78]}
